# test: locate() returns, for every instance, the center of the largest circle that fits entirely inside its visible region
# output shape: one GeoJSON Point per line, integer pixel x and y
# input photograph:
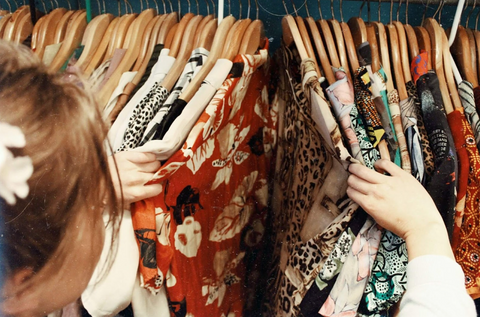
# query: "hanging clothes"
{"type": "Point", "coordinates": [378, 89]}
{"type": "Point", "coordinates": [467, 244]}
{"type": "Point", "coordinates": [159, 71]}
{"type": "Point", "coordinates": [174, 138]}
{"type": "Point", "coordinates": [342, 100]}
{"type": "Point", "coordinates": [465, 90]}
{"type": "Point", "coordinates": [299, 253]}
{"type": "Point", "coordinates": [412, 135]}
{"type": "Point", "coordinates": [213, 208]}
{"type": "Point", "coordinates": [193, 66]}
{"type": "Point", "coordinates": [427, 153]}
{"type": "Point", "coordinates": [442, 186]}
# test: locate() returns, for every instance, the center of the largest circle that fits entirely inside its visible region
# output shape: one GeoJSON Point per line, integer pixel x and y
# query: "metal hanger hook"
{"type": "Point", "coordinates": [306, 8]}
{"type": "Point", "coordinates": [391, 11]}
{"type": "Point", "coordinates": [331, 9]}
{"type": "Point", "coordinates": [378, 11]}
{"type": "Point", "coordinates": [471, 11]}
{"type": "Point", "coordinates": [320, 10]}
{"type": "Point", "coordinates": [294, 8]}
{"type": "Point", "coordinates": [398, 10]}
{"type": "Point", "coordinates": [341, 11]}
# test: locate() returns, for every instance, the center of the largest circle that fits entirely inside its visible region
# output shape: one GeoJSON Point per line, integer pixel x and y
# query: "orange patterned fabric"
{"type": "Point", "coordinates": [213, 207]}
{"type": "Point", "coordinates": [468, 250]}
{"type": "Point", "coordinates": [458, 134]}
{"type": "Point", "coordinates": [419, 65]}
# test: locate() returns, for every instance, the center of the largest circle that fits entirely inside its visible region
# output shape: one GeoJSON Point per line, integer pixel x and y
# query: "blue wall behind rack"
{"type": "Point", "coordinates": [269, 11]}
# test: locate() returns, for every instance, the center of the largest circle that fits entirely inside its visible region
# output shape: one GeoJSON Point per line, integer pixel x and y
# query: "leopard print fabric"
{"type": "Point", "coordinates": [426, 149]}
{"type": "Point", "coordinates": [303, 168]}
{"type": "Point", "coordinates": [142, 115]}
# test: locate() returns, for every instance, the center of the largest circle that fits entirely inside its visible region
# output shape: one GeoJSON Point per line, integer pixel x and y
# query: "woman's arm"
{"type": "Point", "coordinates": [399, 203]}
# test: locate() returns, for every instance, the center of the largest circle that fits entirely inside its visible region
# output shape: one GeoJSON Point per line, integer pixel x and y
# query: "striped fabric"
{"type": "Point", "coordinates": [465, 89]}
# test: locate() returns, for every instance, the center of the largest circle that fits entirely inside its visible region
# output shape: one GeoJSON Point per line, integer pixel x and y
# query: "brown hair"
{"type": "Point", "coordinates": [65, 137]}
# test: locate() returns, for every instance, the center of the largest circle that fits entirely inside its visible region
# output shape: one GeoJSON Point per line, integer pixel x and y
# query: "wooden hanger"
{"type": "Point", "coordinates": [184, 51]}
{"type": "Point", "coordinates": [62, 26]}
{"type": "Point", "coordinates": [253, 39]}
{"type": "Point", "coordinates": [396, 62]}
{"type": "Point", "coordinates": [151, 47]}
{"type": "Point", "coordinates": [156, 31]}
{"type": "Point", "coordinates": [70, 43]}
{"type": "Point", "coordinates": [35, 33]}
{"type": "Point", "coordinates": [412, 41]}
{"type": "Point", "coordinates": [236, 32]}
{"type": "Point", "coordinates": [201, 26]}
{"type": "Point", "coordinates": [437, 60]}
{"type": "Point", "coordinates": [3, 23]}
{"type": "Point", "coordinates": [92, 38]}
{"type": "Point", "coordinates": [463, 56]}
{"type": "Point", "coordinates": [350, 46]}
{"type": "Point", "coordinates": [321, 52]}
{"type": "Point", "coordinates": [384, 54]}
{"type": "Point", "coordinates": [97, 58]}
{"type": "Point", "coordinates": [302, 29]}
{"type": "Point", "coordinates": [215, 53]}
{"type": "Point", "coordinates": [12, 24]}
{"type": "Point", "coordinates": [48, 29]}
{"type": "Point", "coordinates": [178, 37]}
{"type": "Point", "coordinates": [358, 29]}
{"type": "Point", "coordinates": [424, 43]}
{"type": "Point", "coordinates": [342, 53]}
{"type": "Point", "coordinates": [473, 51]}
{"type": "Point", "coordinates": [403, 47]}
{"type": "Point", "coordinates": [145, 43]}
{"type": "Point", "coordinates": [375, 44]}
{"type": "Point", "coordinates": [4, 13]}
{"type": "Point", "coordinates": [450, 79]}
{"type": "Point", "coordinates": [170, 36]}
{"type": "Point", "coordinates": [119, 34]}
{"type": "Point", "coordinates": [170, 21]}
{"type": "Point", "coordinates": [476, 34]}
{"type": "Point", "coordinates": [290, 34]}
{"type": "Point", "coordinates": [207, 36]}
{"type": "Point", "coordinates": [24, 29]}
{"type": "Point", "coordinates": [133, 48]}
{"type": "Point", "coordinates": [327, 36]}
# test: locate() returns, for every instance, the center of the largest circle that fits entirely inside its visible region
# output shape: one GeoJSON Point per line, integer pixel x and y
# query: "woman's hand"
{"type": "Point", "coordinates": [399, 203]}
{"type": "Point", "coordinates": [134, 170]}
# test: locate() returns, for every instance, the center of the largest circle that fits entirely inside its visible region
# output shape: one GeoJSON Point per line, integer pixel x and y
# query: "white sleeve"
{"type": "Point", "coordinates": [110, 292]}
{"type": "Point", "coordinates": [436, 288]}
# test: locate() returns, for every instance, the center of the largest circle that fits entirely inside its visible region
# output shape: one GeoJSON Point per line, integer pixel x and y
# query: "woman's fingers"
{"type": "Point", "coordinates": [359, 184]}
{"type": "Point", "coordinates": [366, 173]}
{"type": "Point", "coordinates": [139, 157]}
{"type": "Point", "coordinates": [150, 167]}
{"type": "Point", "coordinates": [386, 166]}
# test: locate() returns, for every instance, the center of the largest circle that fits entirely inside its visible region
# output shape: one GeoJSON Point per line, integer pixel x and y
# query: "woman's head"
{"type": "Point", "coordinates": [58, 226]}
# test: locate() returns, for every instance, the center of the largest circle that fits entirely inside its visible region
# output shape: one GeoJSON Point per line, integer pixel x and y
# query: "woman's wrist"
{"type": "Point", "coordinates": [430, 239]}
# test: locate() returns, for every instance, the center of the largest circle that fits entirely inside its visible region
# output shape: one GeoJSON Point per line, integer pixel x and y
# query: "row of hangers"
{"type": "Point", "coordinates": [466, 49]}
{"type": "Point", "coordinates": [16, 26]}
{"type": "Point", "coordinates": [191, 31]}
{"type": "Point", "coordinates": [105, 33]}
{"type": "Point", "coordinates": [393, 45]}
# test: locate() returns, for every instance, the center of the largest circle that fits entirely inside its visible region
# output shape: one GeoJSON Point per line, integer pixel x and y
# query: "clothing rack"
{"type": "Point", "coordinates": [424, 2]}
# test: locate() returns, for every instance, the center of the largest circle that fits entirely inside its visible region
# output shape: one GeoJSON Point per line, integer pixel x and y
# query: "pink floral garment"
{"type": "Point", "coordinates": [342, 99]}
{"type": "Point", "coordinates": [347, 292]}
{"type": "Point", "coordinates": [212, 209]}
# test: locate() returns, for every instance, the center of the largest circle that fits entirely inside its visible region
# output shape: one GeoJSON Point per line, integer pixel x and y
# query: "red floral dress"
{"type": "Point", "coordinates": [195, 236]}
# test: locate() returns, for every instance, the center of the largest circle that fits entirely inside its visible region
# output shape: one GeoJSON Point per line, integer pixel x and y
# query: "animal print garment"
{"type": "Point", "coordinates": [142, 115]}
{"type": "Point", "coordinates": [306, 169]}
{"type": "Point", "coordinates": [426, 149]}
